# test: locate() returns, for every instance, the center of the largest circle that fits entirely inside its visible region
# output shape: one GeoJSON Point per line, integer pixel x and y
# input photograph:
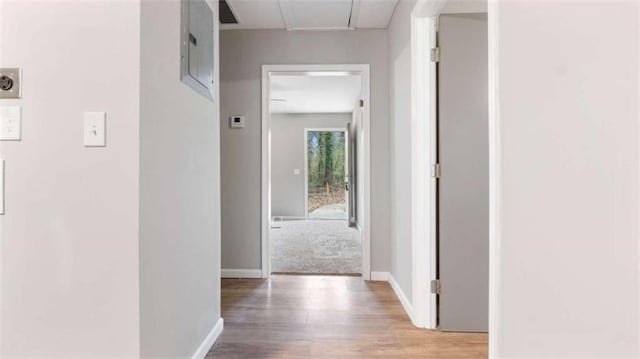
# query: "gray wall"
{"type": "Point", "coordinates": [242, 54]}
{"type": "Point", "coordinates": [179, 196]}
{"type": "Point", "coordinates": [287, 154]}
{"type": "Point", "coordinates": [400, 139]}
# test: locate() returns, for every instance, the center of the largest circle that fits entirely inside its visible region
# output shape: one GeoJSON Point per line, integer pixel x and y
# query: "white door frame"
{"type": "Point", "coordinates": [424, 150]}
{"type": "Point", "coordinates": [306, 163]}
{"type": "Point", "coordinates": [363, 70]}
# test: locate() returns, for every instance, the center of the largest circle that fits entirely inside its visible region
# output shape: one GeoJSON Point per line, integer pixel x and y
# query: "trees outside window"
{"type": "Point", "coordinates": [326, 168]}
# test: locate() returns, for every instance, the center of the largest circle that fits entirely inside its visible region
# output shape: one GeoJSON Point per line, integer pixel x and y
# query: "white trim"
{"type": "Point", "coordinates": [265, 176]}
{"type": "Point", "coordinates": [366, 171]}
{"type": "Point", "coordinates": [287, 218]}
{"type": "Point", "coordinates": [397, 290]}
{"type": "Point", "coordinates": [428, 8]}
{"type": "Point", "coordinates": [380, 276]}
{"type": "Point", "coordinates": [424, 117]}
{"type": "Point", "coordinates": [209, 340]}
{"type": "Point", "coordinates": [241, 273]}
{"type": "Point", "coordinates": [423, 187]}
{"type": "Point", "coordinates": [314, 70]}
{"type": "Point", "coordinates": [495, 175]}
{"type": "Point", "coordinates": [305, 172]}
{"type": "Point", "coordinates": [406, 304]}
{"type": "Point", "coordinates": [306, 162]}
{"type": "Point", "coordinates": [336, 28]}
{"type": "Point", "coordinates": [432, 115]}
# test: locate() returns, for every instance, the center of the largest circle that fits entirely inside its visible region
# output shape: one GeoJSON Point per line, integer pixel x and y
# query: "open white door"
{"type": "Point", "coordinates": [351, 183]}
{"type": "Point", "coordinates": [463, 141]}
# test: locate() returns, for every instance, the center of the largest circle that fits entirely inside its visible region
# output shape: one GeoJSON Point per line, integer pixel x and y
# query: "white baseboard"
{"type": "Point", "coordinates": [208, 342]}
{"type": "Point", "coordinates": [288, 218]}
{"type": "Point", "coordinates": [380, 276]}
{"type": "Point", "coordinates": [406, 303]}
{"type": "Point", "coordinates": [241, 273]}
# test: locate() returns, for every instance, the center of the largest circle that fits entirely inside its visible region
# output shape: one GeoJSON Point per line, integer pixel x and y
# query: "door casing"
{"type": "Point", "coordinates": [424, 24]}
{"type": "Point", "coordinates": [362, 70]}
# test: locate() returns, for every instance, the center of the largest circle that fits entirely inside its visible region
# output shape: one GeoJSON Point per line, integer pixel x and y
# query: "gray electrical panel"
{"type": "Point", "coordinates": [196, 50]}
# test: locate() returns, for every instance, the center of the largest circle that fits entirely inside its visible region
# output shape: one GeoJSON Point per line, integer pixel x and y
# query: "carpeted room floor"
{"type": "Point", "coordinates": [315, 246]}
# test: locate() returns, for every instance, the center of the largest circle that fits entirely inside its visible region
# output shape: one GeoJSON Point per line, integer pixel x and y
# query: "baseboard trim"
{"type": "Point", "coordinates": [288, 218]}
{"type": "Point", "coordinates": [380, 276]}
{"type": "Point", "coordinates": [208, 342]}
{"type": "Point", "coordinates": [241, 273]}
{"type": "Point", "coordinates": [406, 304]}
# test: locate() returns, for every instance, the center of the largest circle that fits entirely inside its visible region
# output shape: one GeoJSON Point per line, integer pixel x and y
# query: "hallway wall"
{"type": "Point", "coordinates": [566, 201]}
{"type": "Point", "coordinates": [400, 145]}
{"type": "Point", "coordinates": [287, 154]}
{"type": "Point", "coordinates": [243, 52]}
{"type": "Point", "coordinates": [179, 194]}
{"type": "Point", "coordinates": [69, 238]}
{"type": "Point", "coordinates": [109, 252]}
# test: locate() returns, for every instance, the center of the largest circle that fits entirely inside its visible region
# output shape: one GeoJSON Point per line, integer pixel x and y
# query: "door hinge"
{"type": "Point", "coordinates": [436, 170]}
{"type": "Point", "coordinates": [361, 103]}
{"type": "Point", "coordinates": [435, 286]}
{"type": "Point", "coordinates": [435, 54]}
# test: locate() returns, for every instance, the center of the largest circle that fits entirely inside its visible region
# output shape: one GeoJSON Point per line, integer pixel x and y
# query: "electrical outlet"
{"type": "Point", "coordinates": [10, 123]}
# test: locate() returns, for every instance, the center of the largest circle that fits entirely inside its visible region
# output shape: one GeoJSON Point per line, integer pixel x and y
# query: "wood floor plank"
{"type": "Point", "coordinates": [328, 317]}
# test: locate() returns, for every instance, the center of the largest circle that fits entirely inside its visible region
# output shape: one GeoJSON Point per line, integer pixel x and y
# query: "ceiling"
{"type": "Point", "coordinates": [311, 14]}
{"type": "Point", "coordinates": [314, 94]}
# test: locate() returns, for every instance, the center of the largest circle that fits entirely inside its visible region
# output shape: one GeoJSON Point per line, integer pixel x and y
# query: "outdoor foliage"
{"type": "Point", "coordinates": [326, 160]}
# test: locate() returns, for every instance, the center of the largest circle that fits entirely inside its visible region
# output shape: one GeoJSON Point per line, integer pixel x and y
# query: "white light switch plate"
{"type": "Point", "coordinates": [10, 123]}
{"type": "Point", "coordinates": [296, 171]}
{"type": "Point", "coordinates": [95, 124]}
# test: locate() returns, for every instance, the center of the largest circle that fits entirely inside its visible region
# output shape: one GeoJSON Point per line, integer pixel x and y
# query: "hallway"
{"type": "Point", "coordinates": [327, 317]}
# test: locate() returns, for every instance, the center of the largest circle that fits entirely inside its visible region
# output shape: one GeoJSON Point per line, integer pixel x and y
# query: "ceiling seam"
{"type": "Point", "coordinates": [350, 14]}
{"type": "Point", "coordinates": [283, 15]}
{"type": "Point", "coordinates": [395, 7]}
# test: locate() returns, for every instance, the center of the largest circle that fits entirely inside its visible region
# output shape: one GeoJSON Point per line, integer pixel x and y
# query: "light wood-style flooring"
{"type": "Point", "coordinates": [327, 317]}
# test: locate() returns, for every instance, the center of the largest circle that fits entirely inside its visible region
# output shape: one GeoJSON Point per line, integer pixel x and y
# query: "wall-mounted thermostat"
{"type": "Point", "coordinates": [237, 121]}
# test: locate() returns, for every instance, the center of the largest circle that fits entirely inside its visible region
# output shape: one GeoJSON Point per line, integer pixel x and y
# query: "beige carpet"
{"type": "Point", "coordinates": [315, 246]}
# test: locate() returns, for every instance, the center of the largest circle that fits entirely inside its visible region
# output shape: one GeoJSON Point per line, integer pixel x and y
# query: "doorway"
{"type": "Point", "coordinates": [327, 175]}
{"type": "Point", "coordinates": [330, 232]}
